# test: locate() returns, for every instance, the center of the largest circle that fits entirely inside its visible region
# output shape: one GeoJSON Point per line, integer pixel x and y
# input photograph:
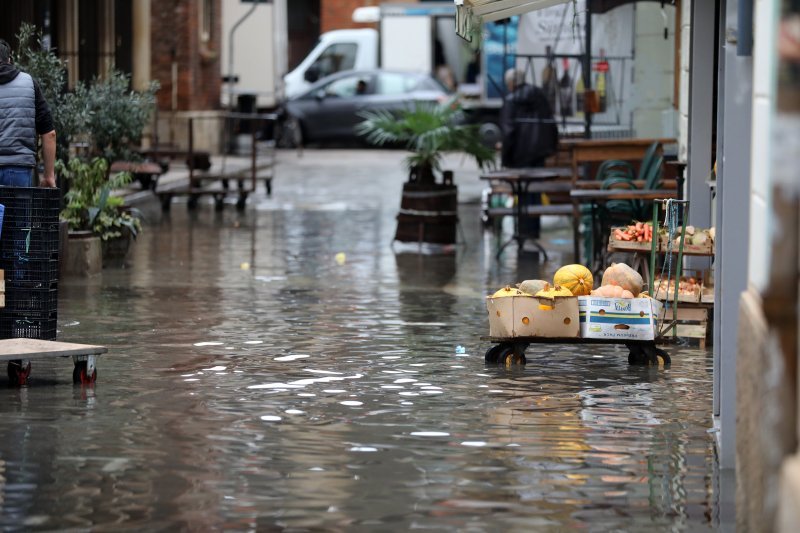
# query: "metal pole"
{"type": "Point", "coordinates": [587, 72]}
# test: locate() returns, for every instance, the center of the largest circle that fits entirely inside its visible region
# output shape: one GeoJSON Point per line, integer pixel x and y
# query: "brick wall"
{"type": "Point", "coordinates": [176, 33]}
{"type": "Point", "coordinates": [338, 14]}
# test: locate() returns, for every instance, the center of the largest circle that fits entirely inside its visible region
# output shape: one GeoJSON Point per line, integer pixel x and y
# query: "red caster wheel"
{"type": "Point", "coordinates": [18, 373]}
{"type": "Point", "coordinates": [80, 374]}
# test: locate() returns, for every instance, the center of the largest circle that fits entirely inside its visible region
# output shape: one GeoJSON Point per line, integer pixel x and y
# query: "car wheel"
{"type": "Point", "coordinates": [291, 133]}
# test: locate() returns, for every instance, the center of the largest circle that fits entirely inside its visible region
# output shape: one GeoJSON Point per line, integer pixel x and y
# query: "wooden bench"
{"type": "Point", "coordinates": [204, 178]}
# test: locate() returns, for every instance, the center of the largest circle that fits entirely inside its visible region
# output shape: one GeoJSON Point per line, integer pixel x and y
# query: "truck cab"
{"type": "Point", "coordinates": [335, 51]}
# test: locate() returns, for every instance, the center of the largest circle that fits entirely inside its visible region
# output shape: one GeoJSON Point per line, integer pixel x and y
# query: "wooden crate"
{"type": "Point", "coordinates": [693, 322]}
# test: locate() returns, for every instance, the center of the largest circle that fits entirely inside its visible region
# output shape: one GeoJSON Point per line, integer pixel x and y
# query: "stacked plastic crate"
{"type": "Point", "coordinates": [29, 256]}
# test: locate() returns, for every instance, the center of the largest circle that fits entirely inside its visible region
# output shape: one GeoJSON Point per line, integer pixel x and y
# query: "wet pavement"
{"type": "Point", "coordinates": [258, 379]}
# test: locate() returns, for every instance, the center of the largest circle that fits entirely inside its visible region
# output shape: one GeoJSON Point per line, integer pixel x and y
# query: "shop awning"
{"type": "Point", "coordinates": [469, 11]}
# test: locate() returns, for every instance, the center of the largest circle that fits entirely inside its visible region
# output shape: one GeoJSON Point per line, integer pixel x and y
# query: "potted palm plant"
{"type": "Point", "coordinates": [428, 210]}
{"type": "Point", "coordinates": [97, 220]}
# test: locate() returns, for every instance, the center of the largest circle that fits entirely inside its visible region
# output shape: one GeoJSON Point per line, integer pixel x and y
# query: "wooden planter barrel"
{"type": "Point", "coordinates": [428, 213]}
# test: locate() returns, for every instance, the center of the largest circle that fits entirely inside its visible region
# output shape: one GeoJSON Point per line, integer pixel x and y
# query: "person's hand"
{"type": "Point", "coordinates": [47, 181]}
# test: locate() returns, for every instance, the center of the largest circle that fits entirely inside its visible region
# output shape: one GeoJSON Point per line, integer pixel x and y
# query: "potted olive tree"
{"type": "Point", "coordinates": [109, 119]}
{"type": "Point", "coordinates": [428, 210]}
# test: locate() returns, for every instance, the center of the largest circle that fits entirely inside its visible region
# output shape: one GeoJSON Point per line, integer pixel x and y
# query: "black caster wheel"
{"type": "Point", "coordinates": [637, 356]}
{"type": "Point", "coordinates": [192, 203]}
{"type": "Point", "coordinates": [493, 353]}
{"type": "Point", "coordinates": [510, 358]}
{"type": "Point", "coordinates": [664, 356]}
{"type": "Point", "coordinates": [81, 376]}
{"type": "Point", "coordinates": [17, 373]}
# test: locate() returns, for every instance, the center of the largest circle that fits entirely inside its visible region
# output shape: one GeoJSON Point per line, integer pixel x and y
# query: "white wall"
{"type": "Point", "coordinates": [764, 83]}
{"type": "Point", "coordinates": [254, 58]}
{"type": "Point", "coordinates": [654, 70]}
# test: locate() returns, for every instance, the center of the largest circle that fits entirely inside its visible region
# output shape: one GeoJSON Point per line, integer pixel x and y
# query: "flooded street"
{"type": "Point", "coordinates": [285, 369]}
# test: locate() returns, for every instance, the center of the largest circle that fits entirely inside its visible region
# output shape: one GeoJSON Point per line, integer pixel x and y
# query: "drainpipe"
{"type": "Point", "coordinates": [230, 52]}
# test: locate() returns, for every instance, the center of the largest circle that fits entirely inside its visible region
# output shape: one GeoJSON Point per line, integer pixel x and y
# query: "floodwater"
{"type": "Point", "coordinates": [258, 379]}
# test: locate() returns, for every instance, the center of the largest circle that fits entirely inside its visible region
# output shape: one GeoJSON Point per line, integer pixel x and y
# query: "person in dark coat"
{"type": "Point", "coordinates": [530, 134]}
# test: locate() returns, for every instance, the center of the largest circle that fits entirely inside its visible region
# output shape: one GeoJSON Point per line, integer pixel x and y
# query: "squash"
{"type": "Point", "coordinates": [508, 291]}
{"type": "Point", "coordinates": [532, 286]}
{"type": "Point", "coordinates": [612, 291]}
{"type": "Point", "coordinates": [624, 276]}
{"type": "Point", "coordinates": [553, 292]}
{"type": "Point", "coordinates": [577, 278]}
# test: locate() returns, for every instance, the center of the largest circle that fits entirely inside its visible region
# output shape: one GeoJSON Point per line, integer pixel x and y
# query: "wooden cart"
{"type": "Point", "coordinates": [511, 350]}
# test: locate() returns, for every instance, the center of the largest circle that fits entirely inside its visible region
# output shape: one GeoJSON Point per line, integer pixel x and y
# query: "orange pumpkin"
{"type": "Point", "coordinates": [577, 278]}
{"type": "Point", "coordinates": [624, 276]}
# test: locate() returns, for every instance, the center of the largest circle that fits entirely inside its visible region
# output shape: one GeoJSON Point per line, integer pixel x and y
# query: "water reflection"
{"type": "Point", "coordinates": [306, 393]}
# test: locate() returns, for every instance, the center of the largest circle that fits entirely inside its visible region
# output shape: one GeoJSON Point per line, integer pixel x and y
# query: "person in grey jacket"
{"type": "Point", "coordinates": [24, 115]}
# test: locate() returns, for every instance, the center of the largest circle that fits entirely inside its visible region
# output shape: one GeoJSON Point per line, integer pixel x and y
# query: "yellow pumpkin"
{"type": "Point", "coordinates": [577, 278]}
{"type": "Point", "coordinates": [553, 292]}
{"type": "Point", "coordinates": [508, 291]}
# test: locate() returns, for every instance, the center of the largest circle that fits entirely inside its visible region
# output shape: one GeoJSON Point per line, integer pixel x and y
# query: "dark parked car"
{"type": "Point", "coordinates": [329, 109]}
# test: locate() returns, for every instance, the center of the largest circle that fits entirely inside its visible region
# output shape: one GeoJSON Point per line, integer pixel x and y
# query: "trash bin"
{"type": "Point", "coordinates": [246, 103]}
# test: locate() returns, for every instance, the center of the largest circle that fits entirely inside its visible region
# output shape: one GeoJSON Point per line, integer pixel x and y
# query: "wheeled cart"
{"type": "Point", "coordinates": [511, 350]}
{"type": "Point", "coordinates": [20, 352]}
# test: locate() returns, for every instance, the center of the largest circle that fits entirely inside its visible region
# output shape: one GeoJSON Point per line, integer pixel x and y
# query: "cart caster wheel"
{"type": "Point", "coordinates": [192, 203]}
{"type": "Point", "coordinates": [493, 353]}
{"type": "Point", "coordinates": [664, 356]}
{"type": "Point", "coordinates": [17, 374]}
{"type": "Point", "coordinates": [637, 356]}
{"type": "Point", "coordinates": [511, 359]}
{"type": "Point", "coordinates": [79, 374]}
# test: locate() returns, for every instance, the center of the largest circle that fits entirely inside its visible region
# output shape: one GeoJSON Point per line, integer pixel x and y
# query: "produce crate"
{"type": "Point", "coordinates": [29, 244]}
{"type": "Point", "coordinates": [662, 292]}
{"type": "Point", "coordinates": [633, 245]}
{"type": "Point", "coordinates": [528, 316]}
{"type": "Point", "coordinates": [694, 249]}
{"type": "Point", "coordinates": [616, 245]}
{"type": "Point", "coordinates": [30, 274]}
{"type": "Point", "coordinates": [693, 321]}
{"type": "Point", "coordinates": [34, 205]}
{"type": "Point", "coordinates": [31, 325]}
{"type": "Point", "coordinates": [23, 300]}
{"type": "Point", "coordinates": [29, 256]}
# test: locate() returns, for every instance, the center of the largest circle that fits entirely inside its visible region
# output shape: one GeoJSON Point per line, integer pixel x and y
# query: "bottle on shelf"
{"type": "Point", "coordinates": [565, 90]}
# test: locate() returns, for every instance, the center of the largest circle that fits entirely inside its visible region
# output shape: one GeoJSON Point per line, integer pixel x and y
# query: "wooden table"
{"type": "Point", "coordinates": [583, 151]}
{"type": "Point", "coordinates": [599, 150]}
{"type": "Point", "coordinates": [524, 181]}
{"type": "Point", "coordinates": [594, 197]}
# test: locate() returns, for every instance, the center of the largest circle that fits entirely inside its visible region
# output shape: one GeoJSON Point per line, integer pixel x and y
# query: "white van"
{"type": "Point", "coordinates": [335, 51]}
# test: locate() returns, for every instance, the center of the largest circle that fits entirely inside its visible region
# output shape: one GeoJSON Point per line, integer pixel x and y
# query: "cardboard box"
{"type": "Point", "coordinates": [619, 318]}
{"type": "Point", "coordinates": [527, 316]}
